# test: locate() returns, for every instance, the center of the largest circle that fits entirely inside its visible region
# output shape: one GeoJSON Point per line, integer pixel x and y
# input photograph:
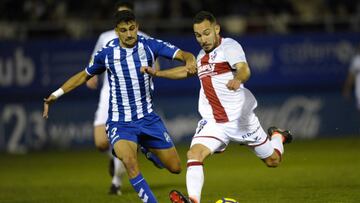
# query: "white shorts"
{"type": "Point", "coordinates": [248, 131]}
{"type": "Point", "coordinates": [101, 113]}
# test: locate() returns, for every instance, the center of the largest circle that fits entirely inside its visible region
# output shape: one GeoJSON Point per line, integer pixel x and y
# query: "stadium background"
{"type": "Point", "coordinates": [299, 53]}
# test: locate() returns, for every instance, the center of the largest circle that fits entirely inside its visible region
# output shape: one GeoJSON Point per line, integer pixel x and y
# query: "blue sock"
{"type": "Point", "coordinates": [142, 188]}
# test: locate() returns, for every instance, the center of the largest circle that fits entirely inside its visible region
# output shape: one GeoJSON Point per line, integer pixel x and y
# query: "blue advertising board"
{"type": "Point", "coordinates": [296, 79]}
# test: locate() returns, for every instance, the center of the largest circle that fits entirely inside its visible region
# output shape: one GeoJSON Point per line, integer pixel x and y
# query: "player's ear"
{"type": "Point", "coordinates": [217, 29]}
{"type": "Point", "coordinates": [117, 31]}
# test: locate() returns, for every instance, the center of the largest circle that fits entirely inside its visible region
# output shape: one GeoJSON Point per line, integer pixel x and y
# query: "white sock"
{"type": "Point", "coordinates": [194, 179]}
{"type": "Point", "coordinates": [109, 152]}
{"type": "Point", "coordinates": [276, 142]}
{"type": "Point", "coordinates": [119, 171]}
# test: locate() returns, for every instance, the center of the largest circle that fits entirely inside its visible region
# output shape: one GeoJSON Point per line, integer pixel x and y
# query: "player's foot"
{"type": "Point", "coordinates": [177, 197]}
{"type": "Point", "coordinates": [115, 190]}
{"type": "Point", "coordinates": [287, 136]}
{"type": "Point", "coordinates": [151, 157]}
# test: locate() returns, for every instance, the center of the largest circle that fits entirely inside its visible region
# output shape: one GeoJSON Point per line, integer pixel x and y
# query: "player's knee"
{"type": "Point", "coordinates": [272, 162]}
{"type": "Point", "coordinates": [194, 155]}
{"type": "Point", "coordinates": [190, 154]}
{"type": "Point", "coordinates": [130, 164]}
{"type": "Point", "coordinates": [102, 146]}
{"type": "Point", "coordinates": [100, 138]}
{"type": "Point", "coordinates": [175, 167]}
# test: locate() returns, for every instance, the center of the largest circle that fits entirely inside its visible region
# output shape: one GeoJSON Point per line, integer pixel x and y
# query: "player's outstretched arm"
{"type": "Point", "coordinates": [176, 73]}
{"type": "Point", "coordinates": [75, 81]}
{"type": "Point", "coordinates": [189, 59]}
{"type": "Point", "coordinates": [241, 76]}
{"type": "Point", "coordinates": [179, 72]}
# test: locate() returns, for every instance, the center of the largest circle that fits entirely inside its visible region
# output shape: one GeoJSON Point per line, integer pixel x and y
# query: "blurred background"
{"type": "Point", "coordinates": [299, 53]}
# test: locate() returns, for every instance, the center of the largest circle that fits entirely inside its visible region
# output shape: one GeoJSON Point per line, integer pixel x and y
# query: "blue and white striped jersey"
{"type": "Point", "coordinates": [130, 90]}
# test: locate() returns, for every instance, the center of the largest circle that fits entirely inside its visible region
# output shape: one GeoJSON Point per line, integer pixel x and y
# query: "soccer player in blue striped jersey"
{"type": "Point", "coordinates": [116, 167]}
{"type": "Point", "coordinates": [132, 121]}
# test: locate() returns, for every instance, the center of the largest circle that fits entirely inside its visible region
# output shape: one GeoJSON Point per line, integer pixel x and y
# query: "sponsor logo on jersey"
{"type": "Point", "coordinates": [206, 69]}
{"type": "Point", "coordinates": [167, 137]}
{"type": "Point", "coordinates": [213, 55]}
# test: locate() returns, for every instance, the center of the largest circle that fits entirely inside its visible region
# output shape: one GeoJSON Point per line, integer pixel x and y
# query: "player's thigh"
{"type": "Point", "coordinates": [210, 135]}
{"type": "Point", "coordinates": [126, 151]}
{"type": "Point", "coordinates": [169, 157]}
{"type": "Point", "coordinates": [100, 137]}
{"type": "Point", "coordinates": [247, 130]}
{"type": "Point", "coordinates": [154, 134]}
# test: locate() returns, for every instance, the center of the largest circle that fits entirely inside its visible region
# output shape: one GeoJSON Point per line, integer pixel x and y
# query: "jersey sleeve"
{"type": "Point", "coordinates": [97, 64]}
{"type": "Point", "coordinates": [161, 48]}
{"type": "Point", "coordinates": [234, 53]}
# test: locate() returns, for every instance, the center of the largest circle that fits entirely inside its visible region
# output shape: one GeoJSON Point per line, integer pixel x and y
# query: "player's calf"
{"type": "Point", "coordinates": [100, 138]}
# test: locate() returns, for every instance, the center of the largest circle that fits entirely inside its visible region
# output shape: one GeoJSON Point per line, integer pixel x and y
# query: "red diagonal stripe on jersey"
{"type": "Point", "coordinates": [205, 59]}
{"type": "Point", "coordinates": [218, 109]}
{"type": "Point", "coordinates": [223, 67]}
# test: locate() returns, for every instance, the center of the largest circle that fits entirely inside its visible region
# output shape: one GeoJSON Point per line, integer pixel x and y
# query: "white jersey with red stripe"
{"type": "Point", "coordinates": [215, 69]}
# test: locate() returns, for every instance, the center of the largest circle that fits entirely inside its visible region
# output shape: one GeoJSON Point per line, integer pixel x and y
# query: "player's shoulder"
{"type": "Point", "coordinates": [143, 34]}
{"type": "Point", "coordinates": [109, 46]}
{"type": "Point", "coordinates": [154, 42]}
{"type": "Point", "coordinates": [229, 41]}
{"type": "Point", "coordinates": [108, 34]}
{"type": "Point", "coordinates": [356, 61]}
{"type": "Point", "coordinates": [200, 54]}
{"type": "Point", "coordinates": [142, 38]}
{"type": "Point", "coordinates": [112, 43]}
{"type": "Point", "coordinates": [357, 57]}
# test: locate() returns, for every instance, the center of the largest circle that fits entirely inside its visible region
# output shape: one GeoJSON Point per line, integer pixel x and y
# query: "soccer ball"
{"type": "Point", "coordinates": [226, 200]}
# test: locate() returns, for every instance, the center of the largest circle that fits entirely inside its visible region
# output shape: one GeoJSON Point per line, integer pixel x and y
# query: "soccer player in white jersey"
{"type": "Point", "coordinates": [226, 106]}
{"type": "Point", "coordinates": [352, 78]}
{"type": "Point", "coordinates": [116, 167]}
{"type": "Point", "coordinates": [131, 119]}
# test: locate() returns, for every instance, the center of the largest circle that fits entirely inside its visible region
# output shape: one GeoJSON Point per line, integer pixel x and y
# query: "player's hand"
{"type": "Point", "coordinates": [47, 102]}
{"type": "Point", "coordinates": [92, 83]}
{"type": "Point", "coordinates": [233, 84]}
{"type": "Point", "coordinates": [148, 70]}
{"type": "Point", "coordinates": [192, 70]}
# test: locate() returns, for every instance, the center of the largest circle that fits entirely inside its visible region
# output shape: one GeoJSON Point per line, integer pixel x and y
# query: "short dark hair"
{"type": "Point", "coordinates": [124, 16]}
{"type": "Point", "coordinates": [204, 15]}
{"type": "Point", "coordinates": [128, 4]}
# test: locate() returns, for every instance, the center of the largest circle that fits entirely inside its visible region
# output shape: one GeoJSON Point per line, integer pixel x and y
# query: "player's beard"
{"type": "Point", "coordinates": [130, 42]}
{"type": "Point", "coordinates": [211, 47]}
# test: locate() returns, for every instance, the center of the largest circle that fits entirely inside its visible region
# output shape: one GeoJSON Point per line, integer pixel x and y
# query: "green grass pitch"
{"type": "Point", "coordinates": [321, 170]}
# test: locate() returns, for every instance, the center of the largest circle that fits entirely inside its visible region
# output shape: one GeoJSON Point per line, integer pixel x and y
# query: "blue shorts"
{"type": "Point", "coordinates": [149, 132]}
